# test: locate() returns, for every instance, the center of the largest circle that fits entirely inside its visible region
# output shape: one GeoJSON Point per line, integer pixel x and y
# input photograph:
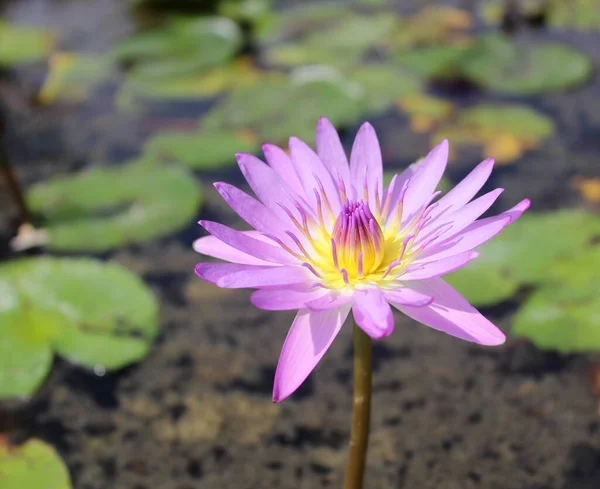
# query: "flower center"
{"type": "Point", "coordinates": [357, 240]}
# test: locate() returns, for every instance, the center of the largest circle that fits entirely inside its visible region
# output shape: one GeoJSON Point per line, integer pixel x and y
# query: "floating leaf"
{"type": "Point", "coordinates": [244, 10]}
{"type": "Point", "coordinates": [425, 111]}
{"type": "Point", "coordinates": [500, 64]}
{"type": "Point", "coordinates": [432, 62]}
{"type": "Point", "coordinates": [526, 252]}
{"type": "Point", "coordinates": [441, 24]}
{"type": "Point", "coordinates": [589, 188]}
{"type": "Point", "coordinates": [72, 76]}
{"type": "Point", "coordinates": [277, 109]}
{"type": "Point", "coordinates": [563, 315]}
{"type": "Point", "coordinates": [32, 465]}
{"type": "Point", "coordinates": [88, 312]}
{"type": "Point", "coordinates": [384, 84]}
{"type": "Point", "coordinates": [89, 212]}
{"type": "Point", "coordinates": [504, 131]}
{"type": "Point", "coordinates": [20, 44]}
{"type": "Point", "coordinates": [205, 150]}
{"type": "Point", "coordinates": [182, 46]}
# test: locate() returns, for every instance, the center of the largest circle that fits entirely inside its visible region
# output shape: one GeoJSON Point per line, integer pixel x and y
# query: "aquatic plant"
{"type": "Point", "coordinates": [329, 239]}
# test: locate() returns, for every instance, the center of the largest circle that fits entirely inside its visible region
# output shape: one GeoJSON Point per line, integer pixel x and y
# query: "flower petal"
{"type": "Point", "coordinates": [451, 313]}
{"type": "Point", "coordinates": [313, 174]}
{"type": "Point", "coordinates": [267, 185]}
{"type": "Point", "coordinates": [309, 337]}
{"type": "Point", "coordinates": [331, 152]}
{"type": "Point", "coordinates": [366, 165]}
{"type": "Point", "coordinates": [435, 268]}
{"type": "Point", "coordinates": [330, 300]}
{"type": "Point", "coordinates": [425, 180]}
{"type": "Point", "coordinates": [234, 276]}
{"type": "Point", "coordinates": [212, 246]}
{"type": "Point", "coordinates": [285, 299]}
{"type": "Point", "coordinates": [279, 160]}
{"type": "Point", "coordinates": [247, 244]}
{"type": "Point", "coordinates": [372, 312]}
{"type": "Point", "coordinates": [406, 296]}
{"type": "Point", "coordinates": [253, 212]}
{"type": "Point", "coordinates": [465, 190]}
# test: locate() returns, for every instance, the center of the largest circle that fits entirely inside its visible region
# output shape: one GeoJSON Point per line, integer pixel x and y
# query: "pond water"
{"type": "Point", "coordinates": [196, 412]}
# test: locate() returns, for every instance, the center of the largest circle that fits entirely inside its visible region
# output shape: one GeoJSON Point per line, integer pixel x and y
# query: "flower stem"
{"type": "Point", "coordinates": [15, 189]}
{"type": "Point", "coordinates": [361, 410]}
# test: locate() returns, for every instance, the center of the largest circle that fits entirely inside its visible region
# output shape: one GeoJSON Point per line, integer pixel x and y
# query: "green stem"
{"type": "Point", "coordinates": [361, 410]}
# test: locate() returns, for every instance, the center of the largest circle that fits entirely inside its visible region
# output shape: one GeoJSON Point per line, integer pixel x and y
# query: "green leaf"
{"type": "Point", "coordinates": [183, 45]}
{"type": "Point", "coordinates": [432, 62]}
{"type": "Point", "coordinates": [33, 465]}
{"type": "Point", "coordinates": [20, 44]}
{"type": "Point", "coordinates": [205, 150]}
{"type": "Point", "coordinates": [244, 10]}
{"type": "Point", "coordinates": [500, 64]}
{"type": "Point", "coordinates": [73, 76]}
{"type": "Point", "coordinates": [89, 312]}
{"type": "Point", "coordinates": [384, 84]}
{"type": "Point", "coordinates": [89, 212]}
{"type": "Point", "coordinates": [277, 110]}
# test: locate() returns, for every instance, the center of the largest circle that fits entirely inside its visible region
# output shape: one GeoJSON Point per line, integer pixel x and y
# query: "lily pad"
{"type": "Point", "coordinates": [384, 84]}
{"type": "Point", "coordinates": [73, 76]}
{"type": "Point", "coordinates": [504, 131]}
{"type": "Point", "coordinates": [89, 212]}
{"type": "Point", "coordinates": [425, 111]}
{"type": "Point", "coordinates": [244, 10]}
{"type": "Point", "coordinates": [21, 44]}
{"type": "Point", "coordinates": [526, 253]}
{"type": "Point", "coordinates": [503, 65]}
{"type": "Point", "coordinates": [441, 61]}
{"type": "Point", "coordinates": [278, 109]}
{"type": "Point", "coordinates": [182, 46]}
{"type": "Point", "coordinates": [89, 312]}
{"type": "Point", "coordinates": [205, 150]}
{"type": "Point", "coordinates": [563, 315]}
{"type": "Point", "coordinates": [32, 465]}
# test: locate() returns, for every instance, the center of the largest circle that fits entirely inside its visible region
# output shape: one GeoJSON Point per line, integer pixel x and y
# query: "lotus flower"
{"type": "Point", "coordinates": [329, 238]}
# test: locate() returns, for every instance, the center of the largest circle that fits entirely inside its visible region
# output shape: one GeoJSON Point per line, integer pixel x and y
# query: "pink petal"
{"type": "Point", "coordinates": [212, 246]}
{"type": "Point", "coordinates": [331, 152]}
{"type": "Point", "coordinates": [332, 299]}
{"type": "Point", "coordinates": [465, 190]}
{"type": "Point", "coordinates": [279, 160]}
{"type": "Point", "coordinates": [405, 296]}
{"type": "Point", "coordinates": [234, 276]}
{"type": "Point", "coordinates": [435, 268]}
{"type": "Point", "coordinates": [267, 185]}
{"type": "Point", "coordinates": [366, 165]}
{"type": "Point", "coordinates": [372, 312]}
{"type": "Point", "coordinates": [425, 180]}
{"type": "Point", "coordinates": [309, 337]}
{"type": "Point", "coordinates": [249, 245]}
{"type": "Point", "coordinates": [475, 234]}
{"type": "Point", "coordinates": [285, 299]}
{"type": "Point", "coordinates": [452, 314]}
{"type": "Point", "coordinates": [313, 173]}
{"type": "Point", "coordinates": [457, 221]}
{"type": "Point", "coordinates": [253, 212]}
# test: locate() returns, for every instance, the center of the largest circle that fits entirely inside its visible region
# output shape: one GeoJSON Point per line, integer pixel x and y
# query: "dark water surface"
{"type": "Point", "coordinates": [197, 413]}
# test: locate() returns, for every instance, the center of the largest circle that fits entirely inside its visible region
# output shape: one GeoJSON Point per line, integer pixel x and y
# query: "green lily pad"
{"type": "Point", "coordinates": [279, 109]}
{"type": "Point", "coordinates": [89, 312]}
{"type": "Point", "coordinates": [441, 61]}
{"type": "Point", "coordinates": [73, 76]}
{"type": "Point", "coordinates": [504, 131]}
{"type": "Point", "coordinates": [21, 44]}
{"type": "Point", "coordinates": [563, 315]}
{"type": "Point", "coordinates": [244, 10]}
{"type": "Point", "coordinates": [89, 212]}
{"type": "Point", "coordinates": [182, 46]}
{"type": "Point", "coordinates": [205, 150]}
{"type": "Point", "coordinates": [503, 65]}
{"type": "Point", "coordinates": [525, 253]}
{"type": "Point", "coordinates": [384, 84]}
{"type": "Point", "coordinates": [32, 465]}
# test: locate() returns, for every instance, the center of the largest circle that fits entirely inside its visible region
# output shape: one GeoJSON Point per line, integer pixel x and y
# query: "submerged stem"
{"type": "Point", "coordinates": [361, 410]}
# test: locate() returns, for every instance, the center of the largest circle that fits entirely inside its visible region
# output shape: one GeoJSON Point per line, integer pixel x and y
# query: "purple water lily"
{"type": "Point", "coordinates": [329, 238]}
